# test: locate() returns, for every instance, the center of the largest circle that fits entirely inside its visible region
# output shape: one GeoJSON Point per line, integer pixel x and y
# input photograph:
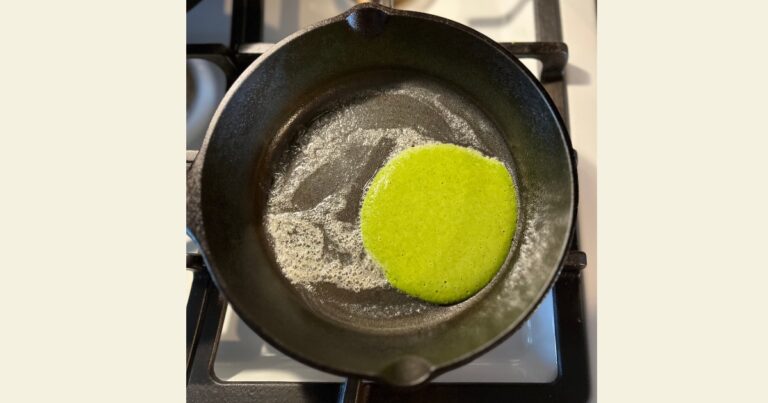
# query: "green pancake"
{"type": "Point", "coordinates": [439, 219]}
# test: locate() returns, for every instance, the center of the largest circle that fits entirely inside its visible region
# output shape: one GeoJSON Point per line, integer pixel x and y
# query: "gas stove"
{"type": "Point", "coordinates": [545, 360]}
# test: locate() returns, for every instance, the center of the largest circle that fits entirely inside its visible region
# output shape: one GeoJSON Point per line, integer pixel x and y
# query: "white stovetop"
{"type": "Point", "coordinates": [530, 354]}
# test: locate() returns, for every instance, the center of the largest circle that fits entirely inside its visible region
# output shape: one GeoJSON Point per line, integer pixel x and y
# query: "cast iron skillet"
{"type": "Point", "coordinates": [349, 57]}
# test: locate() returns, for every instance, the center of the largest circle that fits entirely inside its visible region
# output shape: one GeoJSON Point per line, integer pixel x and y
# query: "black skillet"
{"type": "Point", "coordinates": [349, 57]}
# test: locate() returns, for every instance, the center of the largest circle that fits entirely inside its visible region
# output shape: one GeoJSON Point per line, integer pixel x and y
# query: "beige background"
{"type": "Point", "coordinates": [90, 213]}
{"type": "Point", "coordinates": [682, 201]}
{"type": "Point", "coordinates": [92, 116]}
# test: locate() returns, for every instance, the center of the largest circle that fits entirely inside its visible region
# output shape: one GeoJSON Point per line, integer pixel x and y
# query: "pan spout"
{"type": "Point", "coordinates": [367, 19]}
{"type": "Point", "coordinates": [407, 371]}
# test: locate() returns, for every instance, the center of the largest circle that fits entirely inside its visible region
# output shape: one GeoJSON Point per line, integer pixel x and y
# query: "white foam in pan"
{"type": "Point", "coordinates": [313, 243]}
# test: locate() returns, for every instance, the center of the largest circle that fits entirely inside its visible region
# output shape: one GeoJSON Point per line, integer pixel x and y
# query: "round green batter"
{"type": "Point", "coordinates": [440, 219]}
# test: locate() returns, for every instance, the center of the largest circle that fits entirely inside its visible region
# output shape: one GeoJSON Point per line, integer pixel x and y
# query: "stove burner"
{"type": "Point", "coordinates": [206, 85]}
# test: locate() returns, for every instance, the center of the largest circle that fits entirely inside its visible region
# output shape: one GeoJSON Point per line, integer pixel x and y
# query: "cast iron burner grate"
{"type": "Point", "coordinates": [206, 307]}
